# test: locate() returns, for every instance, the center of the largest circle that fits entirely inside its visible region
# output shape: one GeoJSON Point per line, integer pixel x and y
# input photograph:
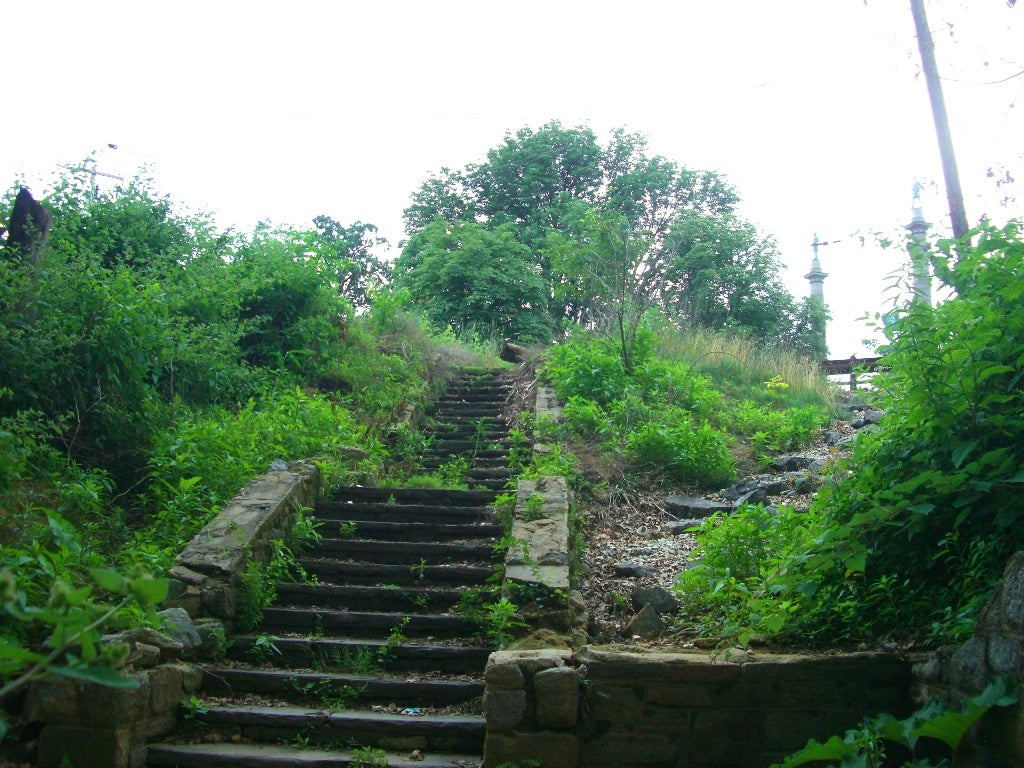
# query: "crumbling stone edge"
{"type": "Point", "coordinates": [96, 726]}
{"type": "Point", "coordinates": [210, 567]}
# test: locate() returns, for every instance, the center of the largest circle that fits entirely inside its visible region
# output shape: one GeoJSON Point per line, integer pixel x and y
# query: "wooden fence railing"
{"type": "Point", "coordinates": [852, 367]}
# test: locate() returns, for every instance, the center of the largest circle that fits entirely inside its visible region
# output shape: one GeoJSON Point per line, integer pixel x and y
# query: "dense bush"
{"type": "Point", "coordinates": [670, 414]}
{"type": "Point", "coordinates": [912, 532]}
{"type": "Point", "coordinates": [149, 367]}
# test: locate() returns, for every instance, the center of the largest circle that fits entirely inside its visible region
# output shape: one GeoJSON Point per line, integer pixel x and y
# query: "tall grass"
{"type": "Point", "coordinates": [743, 368]}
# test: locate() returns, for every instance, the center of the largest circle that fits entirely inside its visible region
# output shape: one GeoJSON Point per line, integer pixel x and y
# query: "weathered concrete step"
{"type": "Point", "coordinates": [468, 447]}
{"type": "Point", "coordinates": [495, 402]}
{"type": "Point", "coordinates": [433, 462]}
{"type": "Point", "coordinates": [397, 513]}
{"type": "Point", "coordinates": [468, 432]}
{"type": "Point", "coordinates": [467, 419]}
{"type": "Point", "coordinates": [491, 484]}
{"type": "Point", "coordinates": [331, 654]}
{"type": "Point", "coordinates": [439, 452]}
{"type": "Point", "coordinates": [376, 573]}
{"type": "Point", "coordinates": [401, 552]}
{"type": "Point", "coordinates": [279, 756]}
{"type": "Point", "coordinates": [363, 598]}
{"type": "Point", "coordinates": [433, 496]}
{"type": "Point", "coordinates": [313, 686]}
{"type": "Point", "coordinates": [408, 531]}
{"type": "Point", "coordinates": [366, 623]}
{"type": "Point", "coordinates": [428, 733]}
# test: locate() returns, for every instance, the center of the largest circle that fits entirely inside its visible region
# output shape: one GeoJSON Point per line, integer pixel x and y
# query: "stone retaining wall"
{"type": "Point", "coordinates": [88, 725]}
{"type": "Point", "coordinates": [995, 650]}
{"type": "Point", "coordinates": [97, 726]}
{"type": "Point", "coordinates": [210, 567]}
{"type": "Point", "coordinates": [609, 706]}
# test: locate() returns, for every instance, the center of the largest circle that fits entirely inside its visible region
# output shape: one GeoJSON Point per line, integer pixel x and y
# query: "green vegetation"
{"type": "Point", "coordinates": [149, 367]}
{"type": "Point", "coordinates": [935, 729]}
{"type": "Point", "coordinates": [676, 416]}
{"type": "Point", "coordinates": [909, 536]}
{"type": "Point", "coordinates": [553, 230]}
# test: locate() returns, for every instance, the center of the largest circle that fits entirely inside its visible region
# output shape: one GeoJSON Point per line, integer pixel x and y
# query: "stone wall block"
{"type": "Point", "coordinates": [84, 747]}
{"type": "Point", "coordinates": [165, 689]}
{"type": "Point", "coordinates": [622, 748]}
{"type": "Point", "coordinates": [557, 694]}
{"type": "Point", "coordinates": [503, 672]}
{"type": "Point", "coordinates": [783, 728]}
{"type": "Point", "coordinates": [551, 750]}
{"type": "Point", "coordinates": [504, 710]}
{"type": "Point", "coordinates": [52, 701]}
{"type": "Point", "coordinates": [105, 706]}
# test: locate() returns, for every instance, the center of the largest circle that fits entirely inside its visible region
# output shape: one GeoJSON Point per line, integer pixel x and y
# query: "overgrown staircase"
{"type": "Point", "coordinates": [373, 655]}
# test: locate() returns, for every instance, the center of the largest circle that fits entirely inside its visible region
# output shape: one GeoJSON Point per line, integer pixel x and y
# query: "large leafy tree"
{"type": "Point", "coordinates": [606, 229]}
{"type": "Point", "coordinates": [474, 278]}
{"type": "Point", "coordinates": [348, 253]}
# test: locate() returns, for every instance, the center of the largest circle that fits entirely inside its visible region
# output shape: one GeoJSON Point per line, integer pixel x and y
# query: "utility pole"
{"type": "Point", "coordinates": [955, 196]}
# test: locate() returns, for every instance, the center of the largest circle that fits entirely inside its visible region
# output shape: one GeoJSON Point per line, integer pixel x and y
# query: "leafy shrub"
{"type": "Point", "coordinates": [777, 430]}
{"type": "Point", "coordinates": [586, 418]}
{"type": "Point", "coordinates": [698, 455]}
{"type": "Point", "coordinates": [914, 530]}
{"type": "Point", "coordinates": [736, 569]}
{"type": "Point", "coordinates": [883, 740]}
{"type": "Point", "coordinates": [589, 368]}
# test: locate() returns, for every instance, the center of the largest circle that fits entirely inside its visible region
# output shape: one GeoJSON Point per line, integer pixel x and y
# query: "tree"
{"type": "Point", "coordinates": [348, 255]}
{"type": "Point", "coordinates": [602, 229]}
{"type": "Point", "coordinates": [724, 275]}
{"type": "Point", "coordinates": [474, 278]}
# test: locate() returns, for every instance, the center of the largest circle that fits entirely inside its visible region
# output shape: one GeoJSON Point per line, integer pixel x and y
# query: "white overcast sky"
{"type": "Point", "coordinates": [814, 109]}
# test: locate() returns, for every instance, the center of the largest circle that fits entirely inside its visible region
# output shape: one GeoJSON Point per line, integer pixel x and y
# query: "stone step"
{"type": "Point", "coordinates": [334, 572]}
{"type": "Point", "coordinates": [444, 446]}
{"type": "Point", "coordinates": [375, 511]}
{"type": "Point", "coordinates": [426, 732]}
{"type": "Point", "coordinates": [465, 415]}
{"type": "Point", "coordinates": [468, 433]}
{"type": "Point", "coordinates": [440, 451]}
{"type": "Point", "coordinates": [400, 552]}
{"type": "Point", "coordinates": [366, 623]}
{"type": "Point", "coordinates": [322, 689]}
{"type": "Point", "coordinates": [362, 598]}
{"type": "Point", "coordinates": [431, 496]}
{"type": "Point", "coordinates": [475, 462]}
{"type": "Point", "coordinates": [406, 531]}
{"type": "Point", "coordinates": [494, 401]}
{"type": "Point", "coordinates": [280, 756]}
{"type": "Point", "coordinates": [332, 654]}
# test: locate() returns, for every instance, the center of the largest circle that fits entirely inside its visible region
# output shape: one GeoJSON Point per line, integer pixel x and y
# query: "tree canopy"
{"type": "Point", "coordinates": [581, 233]}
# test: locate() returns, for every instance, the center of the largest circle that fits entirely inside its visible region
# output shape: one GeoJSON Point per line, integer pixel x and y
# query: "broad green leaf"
{"type": "Point", "coordinates": [856, 563]}
{"type": "Point", "coordinates": [112, 581]}
{"type": "Point", "coordinates": [833, 749]}
{"type": "Point", "coordinates": [148, 590]}
{"type": "Point", "coordinates": [962, 451]}
{"type": "Point", "coordinates": [102, 675]}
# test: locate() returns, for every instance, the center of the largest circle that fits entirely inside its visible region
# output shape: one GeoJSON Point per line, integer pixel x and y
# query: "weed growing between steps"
{"type": "Point", "coordinates": [257, 583]}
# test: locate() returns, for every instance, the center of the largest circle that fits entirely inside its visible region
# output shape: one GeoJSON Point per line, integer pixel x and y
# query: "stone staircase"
{"type": "Point", "coordinates": [373, 655]}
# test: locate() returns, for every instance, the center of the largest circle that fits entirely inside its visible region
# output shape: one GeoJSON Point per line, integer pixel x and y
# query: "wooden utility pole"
{"type": "Point", "coordinates": [955, 196]}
